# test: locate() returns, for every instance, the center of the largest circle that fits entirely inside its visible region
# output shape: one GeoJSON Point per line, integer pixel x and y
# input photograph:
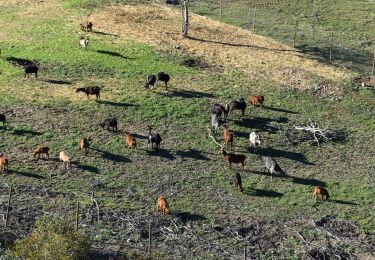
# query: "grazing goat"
{"type": "Point", "coordinates": [219, 109]}
{"type": "Point", "coordinates": [41, 150]}
{"type": "Point", "coordinates": [153, 139]}
{"type": "Point", "coordinates": [64, 157]}
{"type": "Point", "coordinates": [3, 119]}
{"type": "Point", "coordinates": [273, 167]}
{"type": "Point", "coordinates": [109, 122]}
{"type": "Point", "coordinates": [256, 100]}
{"type": "Point", "coordinates": [238, 181]}
{"type": "Point", "coordinates": [238, 105]}
{"type": "Point", "coordinates": [84, 145]}
{"type": "Point", "coordinates": [320, 191]}
{"type": "Point", "coordinates": [162, 204]}
{"type": "Point", "coordinates": [215, 122]}
{"type": "Point", "coordinates": [31, 69]}
{"type": "Point", "coordinates": [151, 79]}
{"type": "Point", "coordinates": [164, 77]}
{"type": "Point", "coordinates": [228, 137]}
{"type": "Point", "coordinates": [90, 91]}
{"type": "Point", "coordinates": [130, 140]}
{"type": "Point", "coordinates": [233, 158]}
{"type": "Point", "coordinates": [84, 42]}
{"type": "Point", "coordinates": [86, 26]}
{"type": "Point", "coordinates": [254, 139]}
{"type": "Point", "coordinates": [4, 162]}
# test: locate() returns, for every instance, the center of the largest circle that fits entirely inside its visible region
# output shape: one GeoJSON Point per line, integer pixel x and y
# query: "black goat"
{"type": "Point", "coordinates": [90, 91]}
{"type": "Point", "coordinates": [31, 69]}
{"type": "Point", "coordinates": [151, 79]}
{"type": "Point", "coordinates": [109, 122]}
{"type": "Point", "coordinates": [238, 105]}
{"type": "Point", "coordinates": [3, 118]}
{"type": "Point", "coordinates": [153, 139]}
{"type": "Point", "coordinates": [164, 77]}
{"type": "Point", "coordinates": [219, 109]}
{"type": "Point", "coordinates": [238, 181]}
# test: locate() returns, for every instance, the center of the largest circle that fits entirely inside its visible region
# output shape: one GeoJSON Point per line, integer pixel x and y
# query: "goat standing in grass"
{"type": "Point", "coordinates": [320, 191]}
{"type": "Point", "coordinates": [4, 162]}
{"type": "Point", "coordinates": [130, 140]}
{"type": "Point", "coordinates": [219, 109]}
{"type": "Point", "coordinates": [233, 158]}
{"type": "Point", "coordinates": [162, 204]}
{"type": "Point", "coordinates": [84, 145]}
{"type": "Point", "coordinates": [228, 137]}
{"type": "Point", "coordinates": [273, 167]}
{"type": "Point", "coordinates": [256, 100]}
{"type": "Point", "coordinates": [3, 119]}
{"type": "Point", "coordinates": [109, 122]}
{"type": "Point", "coordinates": [153, 139]}
{"type": "Point", "coordinates": [41, 150]}
{"type": "Point", "coordinates": [238, 105]}
{"type": "Point", "coordinates": [238, 181]}
{"type": "Point", "coordinates": [30, 69]}
{"type": "Point", "coordinates": [164, 77]}
{"type": "Point", "coordinates": [151, 79]}
{"type": "Point", "coordinates": [86, 26]}
{"type": "Point", "coordinates": [254, 140]}
{"type": "Point", "coordinates": [95, 90]}
{"type": "Point", "coordinates": [64, 157]}
{"type": "Point", "coordinates": [84, 42]}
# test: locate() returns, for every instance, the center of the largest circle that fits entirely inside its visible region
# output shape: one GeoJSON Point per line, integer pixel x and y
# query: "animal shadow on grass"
{"type": "Point", "coordinates": [22, 132]}
{"type": "Point", "coordinates": [344, 202]}
{"type": "Point", "coordinates": [263, 193]}
{"type": "Point", "coordinates": [27, 174]}
{"type": "Point", "coordinates": [104, 33]}
{"type": "Point", "coordinates": [193, 154]}
{"type": "Point", "coordinates": [298, 180]}
{"type": "Point", "coordinates": [186, 217]}
{"type": "Point", "coordinates": [115, 104]}
{"type": "Point", "coordinates": [186, 94]}
{"type": "Point", "coordinates": [280, 110]}
{"type": "Point", "coordinates": [59, 82]}
{"type": "Point", "coordinates": [88, 168]}
{"type": "Point", "coordinates": [112, 53]}
{"type": "Point", "coordinates": [20, 61]}
{"type": "Point", "coordinates": [113, 157]}
{"type": "Point", "coordinates": [268, 151]}
{"type": "Point", "coordinates": [161, 153]}
{"type": "Point", "coordinates": [258, 124]}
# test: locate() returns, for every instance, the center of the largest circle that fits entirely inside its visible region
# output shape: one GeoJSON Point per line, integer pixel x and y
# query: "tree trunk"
{"type": "Point", "coordinates": [185, 18]}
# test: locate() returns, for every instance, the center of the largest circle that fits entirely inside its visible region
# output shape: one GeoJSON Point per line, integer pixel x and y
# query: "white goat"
{"type": "Point", "coordinates": [255, 139]}
{"type": "Point", "coordinates": [64, 157]}
{"type": "Point", "coordinates": [84, 42]}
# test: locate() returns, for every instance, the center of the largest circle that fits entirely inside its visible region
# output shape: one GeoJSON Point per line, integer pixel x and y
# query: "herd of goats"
{"type": "Point", "coordinates": [154, 139]}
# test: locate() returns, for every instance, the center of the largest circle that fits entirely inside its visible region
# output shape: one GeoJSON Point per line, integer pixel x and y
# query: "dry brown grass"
{"type": "Point", "coordinates": [219, 43]}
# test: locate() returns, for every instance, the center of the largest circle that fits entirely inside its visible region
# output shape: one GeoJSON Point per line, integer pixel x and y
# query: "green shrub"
{"type": "Point", "coordinates": [52, 238]}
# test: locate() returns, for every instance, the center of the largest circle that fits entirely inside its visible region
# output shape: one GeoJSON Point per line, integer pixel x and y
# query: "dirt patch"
{"type": "Point", "coordinates": [365, 81]}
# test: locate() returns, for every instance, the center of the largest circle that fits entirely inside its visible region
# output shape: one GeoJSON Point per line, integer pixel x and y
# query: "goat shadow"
{"type": "Point", "coordinates": [187, 216]}
{"type": "Point", "coordinates": [186, 94]}
{"type": "Point", "coordinates": [257, 123]}
{"type": "Point", "coordinates": [138, 136]}
{"type": "Point", "coordinates": [84, 167]}
{"type": "Point", "coordinates": [193, 154]}
{"type": "Point", "coordinates": [115, 104]}
{"type": "Point", "coordinates": [161, 153]}
{"type": "Point", "coordinates": [344, 202]}
{"type": "Point", "coordinates": [263, 193]}
{"type": "Point", "coordinates": [23, 132]}
{"type": "Point", "coordinates": [20, 61]}
{"type": "Point", "coordinates": [104, 33]}
{"type": "Point", "coordinates": [27, 174]}
{"type": "Point", "coordinates": [59, 82]}
{"type": "Point", "coordinates": [297, 180]}
{"type": "Point", "coordinates": [112, 53]}
{"type": "Point", "coordinates": [281, 110]}
{"type": "Point", "coordinates": [112, 157]}
{"type": "Point", "coordinates": [268, 151]}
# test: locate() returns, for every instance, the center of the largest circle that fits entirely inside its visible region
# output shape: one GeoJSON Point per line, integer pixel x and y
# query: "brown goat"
{"type": "Point", "coordinates": [84, 145]}
{"type": "Point", "coordinates": [41, 150]}
{"type": "Point", "coordinates": [162, 204]}
{"type": "Point", "coordinates": [234, 158]}
{"type": "Point", "coordinates": [86, 26]}
{"type": "Point", "coordinates": [228, 137]}
{"type": "Point", "coordinates": [90, 91]}
{"type": "Point", "coordinates": [130, 140]}
{"type": "Point", "coordinates": [256, 100]}
{"type": "Point", "coordinates": [320, 191]}
{"type": "Point", "coordinates": [4, 162]}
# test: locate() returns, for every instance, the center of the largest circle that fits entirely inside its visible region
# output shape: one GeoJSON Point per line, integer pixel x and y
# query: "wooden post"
{"type": "Point", "coordinates": [255, 18]}
{"type": "Point", "coordinates": [295, 33]}
{"type": "Point", "coordinates": [77, 215]}
{"type": "Point", "coordinates": [373, 64]}
{"type": "Point", "coordinates": [221, 8]}
{"type": "Point", "coordinates": [149, 238]}
{"type": "Point", "coordinates": [8, 206]}
{"type": "Point", "coordinates": [185, 18]}
{"type": "Point", "coordinates": [244, 254]}
{"type": "Point", "coordinates": [331, 47]}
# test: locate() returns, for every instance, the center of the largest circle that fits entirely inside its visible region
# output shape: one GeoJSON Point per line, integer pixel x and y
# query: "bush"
{"type": "Point", "coordinates": [52, 238]}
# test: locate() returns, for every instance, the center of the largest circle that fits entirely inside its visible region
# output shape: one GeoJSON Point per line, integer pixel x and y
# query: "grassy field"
{"type": "Point", "coordinates": [209, 217]}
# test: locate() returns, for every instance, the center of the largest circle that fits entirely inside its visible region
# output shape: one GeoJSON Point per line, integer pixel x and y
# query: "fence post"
{"type": "Point", "coordinates": [331, 47]}
{"type": "Point", "coordinates": [295, 34]}
{"type": "Point", "coordinates": [255, 17]}
{"type": "Point", "coordinates": [149, 238]}
{"type": "Point", "coordinates": [77, 215]}
{"type": "Point", "coordinates": [8, 206]}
